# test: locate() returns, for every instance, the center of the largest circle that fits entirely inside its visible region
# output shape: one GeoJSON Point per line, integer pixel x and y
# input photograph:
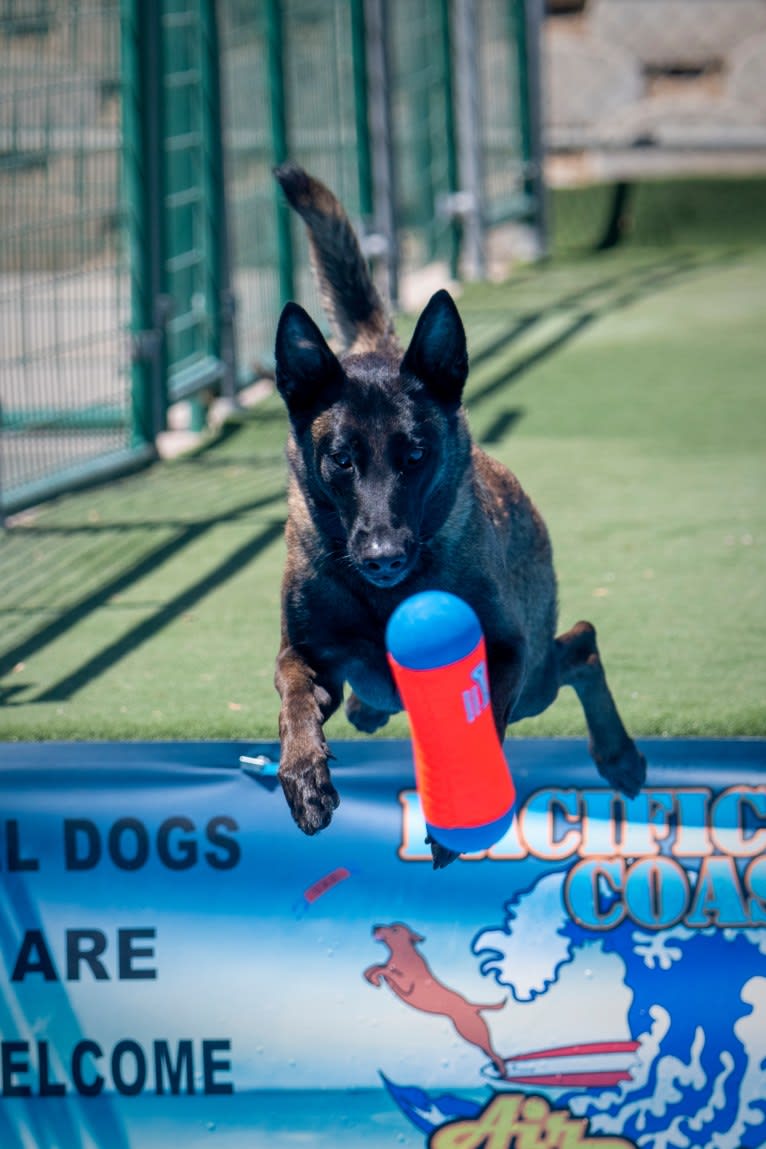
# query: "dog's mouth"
{"type": "Point", "coordinates": [386, 578]}
{"type": "Point", "coordinates": [388, 573]}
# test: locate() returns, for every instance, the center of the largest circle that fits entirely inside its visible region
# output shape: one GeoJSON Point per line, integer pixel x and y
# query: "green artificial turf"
{"type": "Point", "coordinates": [694, 211]}
{"type": "Point", "coordinates": [627, 391]}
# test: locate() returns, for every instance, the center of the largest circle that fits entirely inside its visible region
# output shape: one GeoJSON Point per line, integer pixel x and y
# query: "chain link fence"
{"type": "Point", "coordinates": [138, 202]}
{"type": "Point", "coordinates": [367, 94]}
{"type": "Point", "coordinates": [288, 78]}
{"type": "Point", "coordinates": [64, 287]}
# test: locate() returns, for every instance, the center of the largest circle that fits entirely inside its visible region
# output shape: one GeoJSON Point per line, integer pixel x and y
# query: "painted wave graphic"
{"type": "Point", "coordinates": [698, 1012]}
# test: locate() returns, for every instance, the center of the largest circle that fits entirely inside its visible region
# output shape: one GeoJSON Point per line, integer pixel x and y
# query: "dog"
{"type": "Point", "coordinates": [388, 496]}
{"type": "Point", "coordinates": [408, 974]}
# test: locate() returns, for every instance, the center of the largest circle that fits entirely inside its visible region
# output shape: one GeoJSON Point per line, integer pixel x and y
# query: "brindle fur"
{"type": "Point", "coordinates": [389, 496]}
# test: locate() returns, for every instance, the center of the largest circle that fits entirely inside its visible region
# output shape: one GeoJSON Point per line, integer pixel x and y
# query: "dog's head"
{"type": "Point", "coordinates": [379, 445]}
{"type": "Point", "coordinates": [397, 936]}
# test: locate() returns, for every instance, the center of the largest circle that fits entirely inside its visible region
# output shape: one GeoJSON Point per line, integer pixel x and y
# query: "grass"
{"type": "Point", "coordinates": [626, 391]}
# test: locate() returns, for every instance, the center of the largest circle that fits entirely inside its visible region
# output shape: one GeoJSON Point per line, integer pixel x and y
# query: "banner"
{"type": "Point", "coordinates": [179, 964]}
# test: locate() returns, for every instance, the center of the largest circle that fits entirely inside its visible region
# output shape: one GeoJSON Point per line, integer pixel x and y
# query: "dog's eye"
{"type": "Point", "coordinates": [343, 460]}
{"type": "Point", "coordinates": [415, 456]}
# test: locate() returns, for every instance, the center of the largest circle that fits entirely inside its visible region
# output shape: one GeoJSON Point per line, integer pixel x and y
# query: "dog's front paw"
{"type": "Point", "coordinates": [625, 770]}
{"type": "Point", "coordinates": [309, 791]}
{"type": "Point", "coordinates": [363, 717]}
{"type": "Point", "coordinates": [441, 855]}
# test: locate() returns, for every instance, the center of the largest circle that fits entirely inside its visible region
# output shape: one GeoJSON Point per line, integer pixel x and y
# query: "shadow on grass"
{"type": "Point", "coordinates": [628, 288]}
{"type": "Point", "coordinates": [188, 533]}
{"type": "Point", "coordinates": [173, 609]}
{"type": "Point", "coordinates": [580, 308]}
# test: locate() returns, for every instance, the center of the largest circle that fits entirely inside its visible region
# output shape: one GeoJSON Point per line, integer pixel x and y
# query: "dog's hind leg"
{"type": "Point", "coordinates": [613, 750]}
{"type": "Point", "coordinates": [363, 716]}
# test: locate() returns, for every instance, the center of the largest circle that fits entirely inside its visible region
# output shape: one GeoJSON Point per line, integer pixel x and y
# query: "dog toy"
{"type": "Point", "coordinates": [438, 657]}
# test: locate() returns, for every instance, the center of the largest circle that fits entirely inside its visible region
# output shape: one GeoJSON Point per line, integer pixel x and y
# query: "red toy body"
{"type": "Point", "coordinates": [438, 658]}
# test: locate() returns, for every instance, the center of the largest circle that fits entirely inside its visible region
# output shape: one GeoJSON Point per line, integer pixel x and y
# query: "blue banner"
{"type": "Point", "coordinates": [179, 963]}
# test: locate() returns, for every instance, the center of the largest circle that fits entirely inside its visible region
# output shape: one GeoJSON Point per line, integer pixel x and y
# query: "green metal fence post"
{"type": "Point", "coordinates": [453, 175]}
{"type": "Point", "coordinates": [224, 297]}
{"type": "Point", "coordinates": [377, 31]}
{"type": "Point", "coordinates": [361, 89]}
{"type": "Point", "coordinates": [221, 299]}
{"type": "Point", "coordinates": [279, 143]}
{"type": "Point", "coordinates": [143, 192]}
{"type": "Point", "coordinates": [469, 123]}
{"type": "Point", "coordinates": [527, 15]}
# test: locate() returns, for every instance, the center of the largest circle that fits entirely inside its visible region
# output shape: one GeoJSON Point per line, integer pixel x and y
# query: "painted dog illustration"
{"type": "Point", "coordinates": [408, 974]}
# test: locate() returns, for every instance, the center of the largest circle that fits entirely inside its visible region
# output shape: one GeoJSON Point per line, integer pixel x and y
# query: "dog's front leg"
{"type": "Point", "coordinates": [374, 974]}
{"type": "Point", "coordinates": [308, 700]}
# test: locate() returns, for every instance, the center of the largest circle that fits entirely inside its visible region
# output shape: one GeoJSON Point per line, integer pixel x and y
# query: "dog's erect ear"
{"type": "Point", "coordinates": [437, 354]}
{"type": "Point", "coordinates": [308, 375]}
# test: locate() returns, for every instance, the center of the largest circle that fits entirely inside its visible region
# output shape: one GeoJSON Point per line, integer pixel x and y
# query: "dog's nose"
{"type": "Point", "coordinates": [383, 561]}
{"type": "Point", "coordinates": [384, 565]}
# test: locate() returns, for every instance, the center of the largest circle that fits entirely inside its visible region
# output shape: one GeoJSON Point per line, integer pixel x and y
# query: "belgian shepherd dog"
{"type": "Point", "coordinates": [389, 496]}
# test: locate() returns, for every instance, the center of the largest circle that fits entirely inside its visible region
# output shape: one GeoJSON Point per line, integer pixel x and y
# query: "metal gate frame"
{"type": "Point", "coordinates": [464, 203]}
{"type": "Point", "coordinates": [65, 417]}
{"type": "Point", "coordinates": [183, 313]}
{"type": "Point", "coordinates": [403, 114]}
{"type": "Point", "coordinates": [170, 210]}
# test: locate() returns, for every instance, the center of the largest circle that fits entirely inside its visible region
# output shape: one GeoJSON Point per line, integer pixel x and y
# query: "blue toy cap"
{"type": "Point", "coordinates": [472, 839]}
{"type": "Point", "coordinates": [431, 629]}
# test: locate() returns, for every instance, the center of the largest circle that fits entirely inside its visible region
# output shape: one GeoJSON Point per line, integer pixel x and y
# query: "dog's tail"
{"type": "Point", "coordinates": [357, 314]}
{"type": "Point", "coordinates": [493, 1005]}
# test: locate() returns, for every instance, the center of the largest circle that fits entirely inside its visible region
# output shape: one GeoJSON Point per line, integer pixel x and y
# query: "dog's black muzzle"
{"type": "Point", "coordinates": [384, 560]}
